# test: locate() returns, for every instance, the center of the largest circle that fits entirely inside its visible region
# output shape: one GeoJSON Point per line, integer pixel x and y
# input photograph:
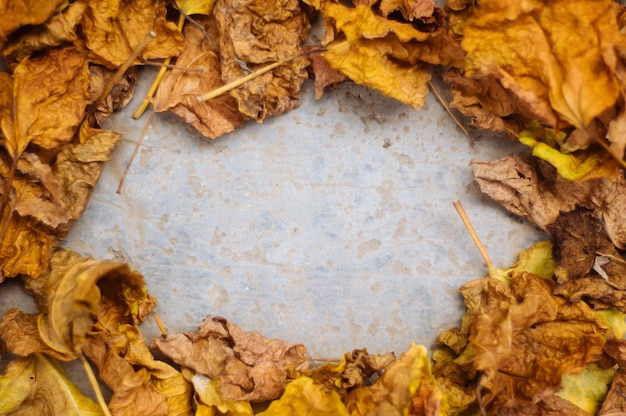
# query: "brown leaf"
{"type": "Point", "coordinates": [248, 366]}
{"type": "Point", "coordinates": [177, 91]}
{"type": "Point", "coordinates": [410, 9]}
{"type": "Point", "coordinates": [594, 290]}
{"type": "Point", "coordinates": [325, 75]}
{"type": "Point", "coordinates": [141, 385]}
{"type": "Point", "coordinates": [533, 190]}
{"type": "Point", "coordinates": [20, 331]}
{"type": "Point", "coordinates": [615, 402]}
{"type": "Point", "coordinates": [581, 244]}
{"type": "Point", "coordinates": [253, 35]}
{"type": "Point", "coordinates": [18, 13]}
{"type": "Point", "coordinates": [119, 96]}
{"type": "Point", "coordinates": [113, 29]}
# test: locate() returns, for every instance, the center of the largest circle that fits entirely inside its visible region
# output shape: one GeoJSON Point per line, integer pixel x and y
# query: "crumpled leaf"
{"type": "Point", "coordinates": [40, 385]}
{"type": "Point", "coordinates": [352, 371]}
{"type": "Point", "coordinates": [579, 242]}
{"type": "Point", "coordinates": [406, 387]}
{"type": "Point", "coordinates": [410, 9]}
{"type": "Point", "coordinates": [248, 366]}
{"type": "Point", "coordinates": [390, 55]}
{"type": "Point", "coordinates": [254, 34]}
{"type": "Point", "coordinates": [209, 400]}
{"type": "Point", "coordinates": [18, 13]}
{"type": "Point", "coordinates": [119, 96]}
{"type": "Point", "coordinates": [65, 189]}
{"type": "Point", "coordinates": [588, 389]}
{"type": "Point", "coordinates": [114, 28]}
{"type": "Point", "coordinates": [566, 75]}
{"type": "Point", "coordinates": [59, 29]}
{"type": "Point", "coordinates": [141, 385]}
{"type": "Point", "coordinates": [325, 75]}
{"type": "Point", "coordinates": [176, 93]}
{"type": "Point", "coordinates": [50, 94]}
{"type": "Point", "coordinates": [532, 189]}
{"type": "Point", "coordinates": [615, 402]}
{"type": "Point", "coordinates": [76, 291]}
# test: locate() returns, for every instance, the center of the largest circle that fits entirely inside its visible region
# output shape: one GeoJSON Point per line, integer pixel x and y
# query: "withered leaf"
{"type": "Point", "coordinates": [615, 401]}
{"type": "Point", "coordinates": [303, 396]}
{"type": "Point", "coordinates": [325, 75]}
{"type": "Point", "coordinates": [209, 400]}
{"type": "Point", "coordinates": [406, 387]}
{"type": "Point", "coordinates": [59, 29]}
{"type": "Point", "coordinates": [254, 34]}
{"type": "Point", "coordinates": [565, 75]}
{"type": "Point", "coordinates": [141, 385]}
{"type": "Point", "coordinates": [48, 392]}
{"type": "Point", "coordinates": [113, 29]}
{"type": "Point", "coordinates": [119, 96]}
{"type": "Point", "coordinates": [18, 13]}
{"type": "Point", "coordinates": [248, 366]}
{"type": "Point", "coordinates": [177, 91]}
{"type": "Point", "coordinates": [16, 384]}
{"type": "Point", "coordinates": [533, 190]}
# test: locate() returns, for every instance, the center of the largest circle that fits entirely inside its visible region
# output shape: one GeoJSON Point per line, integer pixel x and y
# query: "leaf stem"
{"type": "Point", "coordinates": [94, 383]}
{"type": "Point", "coordinates": [479, 245]}
{"type": "Point", "coordinates": [239, 82]}
{"type": "Point", "coordinates": [157, 80]}
{"type": "Point", "coordinates": [144, 132]}
{"type": "Point", "coordinates": [450, 113]}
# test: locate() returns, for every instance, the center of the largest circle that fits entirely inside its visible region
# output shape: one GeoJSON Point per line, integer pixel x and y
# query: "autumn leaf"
{"type": "Point", "coordinates": [614, 402]}
{"type": "Point", "coordinates": [17, 14]}
{"type": "Point", "coordinates": [113, 29]}
{"type": "Point", "coordinates": [565, 76]}
{"type": "Point", "coordinates": [59, 29]}
{"type": "Point", "coordinates": [533, 190]}
{"type": "Point", "coordinates": [253, 35]}
{"type": "Point", "coordinates": [386, 54]}
{"type": "Point", "coordinates": [203, 7]}
{"type": "Point", "coordinates": [209, 400]}
{"type": "Point", "coordinates": [588, 389]}
{"type": "Point", "coordinates": [248, 366]}
{"type": "Point", "coordinates": [176, 93]}
{"type": "Point", "coordinates": [303, 396]}
{"type": "Point", "coordinates": [141, 385]}
{"type": "Point", "coordinates": [37, 385]}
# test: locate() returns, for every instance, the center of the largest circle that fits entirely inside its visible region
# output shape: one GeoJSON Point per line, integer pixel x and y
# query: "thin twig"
{"type": "Point", "coordinates": [168, 66]}
{"type": "Point", "coordinates": [144, 132]}
{"type": "Point", "coordinates": [157, 80]}
{"type": "Point", "coordinates": [238, 82]}
{"type": "Point", "coordinates": [449, 111]}
{"type": "Point", "coordinates": [122, 70]}
{"type": "Point", "coordinates": [160, 325]}
{"type": "Point", "coordinates": [479, 245]}
{"type": "Point", "coordinates": [94, 383]}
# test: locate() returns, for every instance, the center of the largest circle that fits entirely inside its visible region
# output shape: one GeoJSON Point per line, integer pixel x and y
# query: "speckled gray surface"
{"type": "Point", "coordinates": [331, 225]}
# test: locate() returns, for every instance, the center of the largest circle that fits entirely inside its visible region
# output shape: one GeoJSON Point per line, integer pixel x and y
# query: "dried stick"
{"type": "Point", "coordinates": [144, 132]}
{"type": "Point", "coordinates": [94, 383]}
{"type": "Point", "coordinates": [479, 245]}
{"type": "Point", "coordinates": [449, 111]}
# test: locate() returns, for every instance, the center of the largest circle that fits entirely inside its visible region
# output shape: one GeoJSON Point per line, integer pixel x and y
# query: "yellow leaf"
{"type": "Point", "coordinates": [304, 397]}
{"type": "Point", "coordinates": [17, 384]}
{"type": "Point", "coordinates": [209, 400]}
{"type": "Point", "coordinates": [53, 393]}
{"type": "Point", "coordinates": [406, 387]}
{"type": "Point", "coordinates": [578, 166]}
{"type": "Point", "coordinates": [552, 55]}
{"type": "Point", "coordinates": [368, 62]}
{"type": "Point", "coordinates": [588, 389]}
{"type": "Point", "coordinates": [190, 7]}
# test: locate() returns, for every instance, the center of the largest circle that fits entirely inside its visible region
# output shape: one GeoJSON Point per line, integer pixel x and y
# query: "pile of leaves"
{"type": "Point", "coordinates": [543, 337]}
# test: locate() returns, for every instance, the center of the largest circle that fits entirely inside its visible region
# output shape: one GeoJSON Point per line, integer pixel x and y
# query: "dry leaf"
{"type": "Point", "coordinates": [141, 385]}
{"type": "Point", "coordinates": [114, 28]}
{"type": "Point", "coordinates": [564, 77]}
{"type": "Point", "coordinates": [248, 366]}
{"type": "Point", "coordinates": [177, 91]}
{"type": "Point", "coordinates": [42, 388]}
{"type": "Point", "coordinates": [253, 34]}
{"type": "Point", "coordinates": [533, 190]}
{"type": "Point", "coordinates": [119, 96]}
{"type": "Point", "coordinates": [209, 400]}
{"type": "Point", "coordinates": [19, 13]}
{"type": "Point", "coordinates": [615, 401]}
{"type": "Point", "coordinates": [59, 29]}
{"type": "Point", "coordinates": [303, 396]}
{"type": "Point", "coordinates": [406, 387]}
{"type": "Point", "coordinates": [325, 75]}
